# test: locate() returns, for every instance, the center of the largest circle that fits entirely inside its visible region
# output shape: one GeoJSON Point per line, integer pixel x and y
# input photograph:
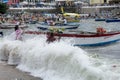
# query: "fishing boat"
{"type": "Point", "coordinates": [100, 19]}
{"type": "Point", "coordinates": [86, 38]}
{"type": "Point", "coordinates": [45, 26]}
{"type": "Point", "coordinates": [11, 26]}
{"type": "Point", "coordinates": [71, 17]}
{"type": "Point", "coordinates": [64, 28]}
{"type": "Point", "coordinates": [112, 20]}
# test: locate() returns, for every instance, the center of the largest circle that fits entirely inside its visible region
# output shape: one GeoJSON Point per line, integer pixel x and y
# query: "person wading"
{"type": "Point", "coordinates": [18, 33]}
{"type": "Point", "coordinates": [50, 37]}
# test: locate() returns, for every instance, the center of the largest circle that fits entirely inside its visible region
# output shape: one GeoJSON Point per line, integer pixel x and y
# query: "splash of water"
{"type": "Point", "coordinates": [54, 61]}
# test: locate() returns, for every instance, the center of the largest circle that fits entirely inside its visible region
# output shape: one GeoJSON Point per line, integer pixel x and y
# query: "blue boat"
{"type": "Point", "coordinates": [45, 26]}
{"type": "Point", "coordinates": [100, 19]}
{"type": "Point", "coordinates": [66, 28]}
{"type": "Point", "coordinates": [112, 20]}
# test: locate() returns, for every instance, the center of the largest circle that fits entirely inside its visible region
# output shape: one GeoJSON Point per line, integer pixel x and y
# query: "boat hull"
{"type": "Point", "coordinates": [93, 39]}
{"type": "Point", "coordinates": [96, 41]}
{"type": "Point", "coordinates": [66, 28]}
{"type": "Point", "coordinates": [98, 19]}
{"type": "Point", "coordinates": [11, 26]}
{"type": "Point", "coordinates": [112, 20]}
{"type": "Point", "coordinates": [45, 26]}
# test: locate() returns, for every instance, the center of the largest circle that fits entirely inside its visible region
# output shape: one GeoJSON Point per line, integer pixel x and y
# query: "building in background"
{"type": "Point", "coordinates": [85, 1]}
{"type": "Point", "coordinates": [114, 1]}
{"type": "Point", "coordinates": [13, 2]}
{"type": "Point", "coordinates": [98, 1]}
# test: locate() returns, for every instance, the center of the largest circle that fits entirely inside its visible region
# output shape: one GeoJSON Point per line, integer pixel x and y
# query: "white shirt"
{"type": "Point", "coordinates": [65, 21]}
{"type": "Point", "coordinates": [17, 23]}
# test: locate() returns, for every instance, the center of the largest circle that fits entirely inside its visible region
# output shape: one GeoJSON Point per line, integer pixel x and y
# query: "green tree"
{"type": "Point", "coordinates": [3, 8]}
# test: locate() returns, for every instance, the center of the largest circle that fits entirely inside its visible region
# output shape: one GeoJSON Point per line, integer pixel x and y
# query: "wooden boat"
{"type": "Point", "coordinates": [71, 17]}
{"type": "Point", "coordinates": [32, 22]}
{"type": "Point", "coordinates": [112, 20]}
{"type": "Point", "coordinates": [66, 28]}
{"type": "Point", "coordinates": [86, 38]}
{"type": "Point", "coordinates": [11, 26]}
{"type": "Point", "coordinates": [100, 19]}
{"type": "Point", "coordinates": [45, 26]}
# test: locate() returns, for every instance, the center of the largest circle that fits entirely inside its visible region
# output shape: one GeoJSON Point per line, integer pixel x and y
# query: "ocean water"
{"type": "Point", "coordinates": [61, 60]}
{"type": "Point", "coordinates": [91, 25]}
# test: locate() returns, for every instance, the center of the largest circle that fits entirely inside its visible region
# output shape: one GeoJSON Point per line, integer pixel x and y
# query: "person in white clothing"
{"type": "Point", "coordinates": [65, 21]}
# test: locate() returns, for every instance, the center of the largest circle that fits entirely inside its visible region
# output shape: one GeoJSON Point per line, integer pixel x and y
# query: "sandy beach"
{"type": "Point", "coordinates": [8, 72]}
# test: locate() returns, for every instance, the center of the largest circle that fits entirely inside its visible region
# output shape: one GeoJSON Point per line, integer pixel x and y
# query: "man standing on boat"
{"type": "Point", "coordinates": [64, 21]}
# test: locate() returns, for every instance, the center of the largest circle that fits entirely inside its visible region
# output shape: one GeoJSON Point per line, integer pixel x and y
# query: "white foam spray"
{"type": "Point", "coordinates": [55, 61]}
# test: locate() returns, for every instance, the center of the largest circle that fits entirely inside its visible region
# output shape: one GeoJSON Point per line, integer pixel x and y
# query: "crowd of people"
{"type": "Point", "coordinates": [57, 19]}
{"type": "Point", "coordinates": [19, 18]}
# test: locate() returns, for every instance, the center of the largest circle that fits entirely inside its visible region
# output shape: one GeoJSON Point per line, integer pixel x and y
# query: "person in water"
{"type": "Point", "coordinates": [50, 37]}
{"type": "Point", "coordinates": [18, 33]}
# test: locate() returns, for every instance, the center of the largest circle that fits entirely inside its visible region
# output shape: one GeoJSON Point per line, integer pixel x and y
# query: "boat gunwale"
{"type": "Point", "coordinates": [81, 35]}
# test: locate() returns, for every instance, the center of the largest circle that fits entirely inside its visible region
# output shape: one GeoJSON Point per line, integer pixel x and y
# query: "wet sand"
{"type": "Point", "coordinates": [8, 72]}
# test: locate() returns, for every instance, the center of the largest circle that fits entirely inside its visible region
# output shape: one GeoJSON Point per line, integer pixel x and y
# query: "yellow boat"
{"type": "Point", "coordinates": [71, 17]}
{"type": "Point", "coordinates": [69, 14]}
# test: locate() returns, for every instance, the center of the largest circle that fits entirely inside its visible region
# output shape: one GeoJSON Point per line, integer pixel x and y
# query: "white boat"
{"type": "Point", "coordinates": [86, 38]}
{"type": "Point", "coordinates": [11, 26]}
